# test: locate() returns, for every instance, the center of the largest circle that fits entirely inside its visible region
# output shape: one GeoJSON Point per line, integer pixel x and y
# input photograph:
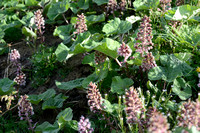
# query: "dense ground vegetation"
{"type": "Point", "coordinates": [99, 66]}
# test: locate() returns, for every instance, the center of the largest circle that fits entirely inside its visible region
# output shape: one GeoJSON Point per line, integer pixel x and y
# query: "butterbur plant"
{"type": "Point", "coordinates": [179, 2]}
{"type": "Point", "coordinates": [189, 114]}
{"type": "Point", "coordinates": [122, 5]}
{"type": "Point", "coordinates": [25, 110]}
{"type": "Point", "coordinates": [40, 23]}
{"type": "Point", "coordinates": [165, 5]}
{"type": "Point", "coordinates": [112, 6]}
{"type": "Point", "coordinates": [156, 122]}
{"type": "Point", "coordinates": [99, 57]}
{"type": "Point", "coordinates": [134, 107]}
{"type": "Point", "coordinates": [144, 37]}
{"type": "Point", "coordinates": [20, 79]}
{"type": "Point", "coordinates": [148, 62]}
{"type": "Point", "coordinates": [14, 56]}
{"type": "Point", "coordinates": [84, 125]}
{"type": "Point", "coordinates": [94, 98]}
{"type": "Point", "coordinates": [125, 51]}
{"type": "Point", "coordinates": [80, 25]}
{"type": "Point", "coordinates": [198, 72]}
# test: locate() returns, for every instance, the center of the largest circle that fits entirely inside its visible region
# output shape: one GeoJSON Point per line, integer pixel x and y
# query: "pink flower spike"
{"type": "Point", "coordinates": [198, 85]}
{"type": "Point", "coordinates": [14, 55]}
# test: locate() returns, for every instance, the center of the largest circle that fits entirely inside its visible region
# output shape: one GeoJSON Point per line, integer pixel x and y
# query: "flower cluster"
{"type": "Point", "coordinates": [148, 62]}
{"type": "Point", "coordinates": [144, 36]}
{"type": "Point", "coordinates": [174, 23]}
{"type": "Point", "coordinates": [134, 106]}
{"type": "Point", "coordinates": [20, 79]}
{"type": "Point", "coordinates": [80, 25]}
{"type": "Point", "coordinates": [156, 122]}
{"type": "Point", "coordinates": [165, 5]}
{"type": "Point", "coordinates": [125, 51]}
{"type": "Point", "coordinates": [189, 115]}
{"type": "Point", "coordinates": [39, 21]}
{"type": "Point", "coordinates": [99, 57]}
{"type": "Point", "coordinates": [84, 125]}
{"type": "Point", "coordinates": [122, 5]}
{"type": "Point", "coordinates": [94, 96]}
{"type": "Point", "coordinates": [14, 56]}
{"type": "Point", "coordinates": [179, 2]}
{"type": "Point", "coordinates": [25, 108]}
{"type": "Point", "coordinates": [198, 71]}
{"type": "Point", "coordinates": [112, 6]}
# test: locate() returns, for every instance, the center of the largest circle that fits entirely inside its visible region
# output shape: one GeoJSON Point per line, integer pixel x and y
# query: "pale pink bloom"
{"type": "Point", "coordinates": [14, 55]}
{"type": "Point", "coordinates": [84, 125]}
{"type": "Point", "coordinates": [198, 84]}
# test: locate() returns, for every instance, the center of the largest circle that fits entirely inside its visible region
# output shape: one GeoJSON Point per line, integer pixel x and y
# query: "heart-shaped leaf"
{"type": "Point", "coordinates": [6, 86]}
{"type": "Point", "coordinates": [70, 84]}
{"type": "Point", "coordinates": [119, 85]}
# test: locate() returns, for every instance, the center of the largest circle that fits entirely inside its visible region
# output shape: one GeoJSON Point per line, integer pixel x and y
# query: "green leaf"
{"type": "Point", "coordinates": [83, 44]}
{"type": "Point", "coordinates": [107, 106]}
{"type": "Point", "coordinates": [64, 116]}
{"type": "Point", "coordinates": [74, 7]}
{"type": "Point", "coordinates": [189, 35]}
{"type": "Point", "coordinates": [124, 27]}
{"type": "Point", "coordinates": [193, 129]}
{"type": "Point", "coordinates": [182, 89]}
{"type": "Point", "coordinates": [46, 127]}
{"type": "Point", "coordinates": [31, 2]}
{"type": "Point", "coordinates": [172, 68]}
{"type": "Point", "coordinates": [117, 26]}
{"type": "Point", "coordinates": [89, 59]}
{"type": "Point", "coordinates": [95, 18]}
{"type": "Point", "coordinates": [48, 94]}
{"type": "Point", "coordinates": [171, 105]}
{"type": "Point", "coordinates": [1, 34]}
{"type": "Point", "coordinates": [132, 19]}
{"type": "Point", "coordinates": [140, 5]}
{"type": "Point", "coordinates": [119, 85]}
{"type": "Point", "coordinates": [34, 99]}
{"type": "Point", "coordinates": [112, 26]}
{"type": "Point", "coordinates": [152, 87]}
{"type": "Point", "coordinates": [26, 20]}
{"type": "Point", "coordinates": [3, 46]}
{"type": "Point", "coordinates": [145, 4]}
{"type": "Point", "coordinates": [109, 47]}
{"type": "Point", "coordinates": [27, 32]}
{"type": "Point", "coordinates": [52, 103]}
{"type": "Point", "coordinates": [137, 60]}
{"type": "Point", "coordinates": [63, 31]}
{"type": "Point", "coordinates": [157, 73]}
{"type": "Point", "coordinates": [81, 41]}
{"type": "Point", "coordinates": [57, 8]}
{"type": "Point", "coordinates": [6, 86]}
{"type": "Point", "coordinates": [70, 84]}
{"type": "Point", "coordinates": [183, 56]}
{"type": "Point", "coordinates": [95, 77]}
{"type": "Point", "coordinates": [83, 4]}
{"type": "Point", "coordinates": [184, 12]}
{"type": "Point", "coordinates": [61, 52]}
{"type": "Point", "coordinates": [100, 2]}
{"type": "Point", "coordinates": [72, 124]}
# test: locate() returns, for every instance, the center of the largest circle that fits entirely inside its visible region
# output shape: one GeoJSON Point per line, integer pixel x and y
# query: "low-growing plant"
{"type": "Point", "coordinates": [143, 55]}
